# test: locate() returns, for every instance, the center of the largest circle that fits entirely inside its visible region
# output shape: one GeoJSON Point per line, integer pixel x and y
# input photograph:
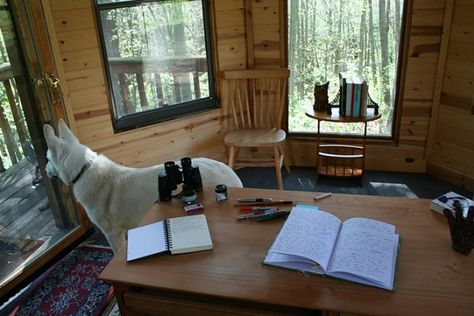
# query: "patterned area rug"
{"type": "Point", "coordinates": [71, 286]}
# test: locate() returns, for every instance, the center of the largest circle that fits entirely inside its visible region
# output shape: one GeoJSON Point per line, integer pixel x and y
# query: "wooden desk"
{"type": "Point", "coordinates": [230, 279]}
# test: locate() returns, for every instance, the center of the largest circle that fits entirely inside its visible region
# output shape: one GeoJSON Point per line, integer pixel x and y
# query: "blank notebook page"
{"type": "Point", "coordinates": [146, 240]}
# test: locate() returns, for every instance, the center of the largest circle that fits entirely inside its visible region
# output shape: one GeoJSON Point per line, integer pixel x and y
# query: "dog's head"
{"type": "Point", "coordinates": [66, 156]}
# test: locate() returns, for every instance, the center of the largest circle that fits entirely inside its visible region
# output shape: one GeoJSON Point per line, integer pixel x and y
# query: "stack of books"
{"type": "Point", "coordinates": [354, 96]}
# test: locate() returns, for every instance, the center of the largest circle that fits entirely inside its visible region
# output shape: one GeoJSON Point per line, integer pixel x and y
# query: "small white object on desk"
{"type": "Point", "coordinates": [322, 196]}
{"type": "Point", "coordinates": [446, 201]}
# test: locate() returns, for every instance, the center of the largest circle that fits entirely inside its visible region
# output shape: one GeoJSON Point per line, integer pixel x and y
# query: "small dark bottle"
{"type": "Point", "coordinates": [221, 192]}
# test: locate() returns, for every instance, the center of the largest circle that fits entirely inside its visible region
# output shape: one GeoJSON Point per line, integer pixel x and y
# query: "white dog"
{"type": "Point", "coordinates": [116, 198]}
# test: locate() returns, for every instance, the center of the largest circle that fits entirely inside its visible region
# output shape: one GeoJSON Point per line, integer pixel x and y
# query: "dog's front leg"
{"type": "Point", "coordinates": [116, 239]}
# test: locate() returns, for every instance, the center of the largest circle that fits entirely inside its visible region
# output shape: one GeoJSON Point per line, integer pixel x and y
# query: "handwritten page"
{"type": "Point", "coordinates": [308, 237]}
{"type": "Point", "coordinates": [189, 233]}
{"type": "Point", "coordinates": [146, 240]}
{"type": "Point", "coordinates": [360, 250]}
{"type": "Point", "coordinates": [365, 249]}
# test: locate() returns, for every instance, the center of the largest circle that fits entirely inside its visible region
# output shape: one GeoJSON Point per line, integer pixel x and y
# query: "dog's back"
{"type": "Point", "coordinates": [215, 172]}
{"type": "Point", "coordinates": [116, 198]}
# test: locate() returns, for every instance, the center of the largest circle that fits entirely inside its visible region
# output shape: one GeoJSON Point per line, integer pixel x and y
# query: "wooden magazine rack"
{"type": "Point", "coordinates": [341, 159]}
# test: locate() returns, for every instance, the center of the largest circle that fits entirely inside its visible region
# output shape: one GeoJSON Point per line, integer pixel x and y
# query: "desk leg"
{"type": "Point", "coordinates": [118, 292]}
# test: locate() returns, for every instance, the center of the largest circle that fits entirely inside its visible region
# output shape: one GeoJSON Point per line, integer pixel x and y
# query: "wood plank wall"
{"type": "Point", "coordinates": [251, 33]}
{"type": "Point", "coordinates": [450, 152]}
{"type": "Point", "coordinates": [78, 41]}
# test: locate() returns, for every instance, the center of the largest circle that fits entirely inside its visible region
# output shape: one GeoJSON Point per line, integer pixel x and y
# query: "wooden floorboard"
{"type": "Point", "coordinates": [24, 208]}
{"type": "Point", "coordinates": [22, 177]}
{"type": "Point", "coordinates": [43, 225]}
{"type": "Point", "coordinates": [25, 213]}
{"type": "Point", "coordinates": [21, 207]}
{"type": "Point", "coordinates": [13, 174]}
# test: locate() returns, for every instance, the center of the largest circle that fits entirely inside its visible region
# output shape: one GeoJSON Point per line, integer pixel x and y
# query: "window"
{"type": "Point", "coordinates": [158, 59]}
{"type": "Point", "coordinates": [359, 37]}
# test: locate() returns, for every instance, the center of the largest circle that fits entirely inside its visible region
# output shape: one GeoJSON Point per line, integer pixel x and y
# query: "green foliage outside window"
{"type": "Point", "coordinates": [360, 37]}
{"type": "Point", "coordinates": [157, 54]}
{"type": "Point", "coordinates": [10, 142]}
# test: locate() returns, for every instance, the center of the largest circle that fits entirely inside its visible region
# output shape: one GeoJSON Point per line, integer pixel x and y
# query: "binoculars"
{"type": "Point", "coordinates": [173, 175]}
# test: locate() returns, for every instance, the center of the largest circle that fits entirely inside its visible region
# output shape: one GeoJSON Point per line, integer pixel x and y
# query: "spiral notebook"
{"type": "Point", "coordinates": [175, 235]}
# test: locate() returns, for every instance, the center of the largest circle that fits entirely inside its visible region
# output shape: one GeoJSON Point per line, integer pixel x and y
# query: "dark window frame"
{"type": "Point", "coordinates": [149, 117]}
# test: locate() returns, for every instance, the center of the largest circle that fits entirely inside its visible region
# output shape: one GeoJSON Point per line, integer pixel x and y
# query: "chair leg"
{"type": "Point", "coordinates": [231, 157]}
{"type": "Point", "coordinates": [285, 159]}
{"type": "Point", "coordinates": [276, 153]}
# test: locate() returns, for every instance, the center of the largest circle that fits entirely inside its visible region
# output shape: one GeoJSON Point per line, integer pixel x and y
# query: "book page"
{"type": "Point", "coordinates": [365, 249]}
{"type": "Point", "coordinates": [188, 234]}
{"type": "Point", "coordinates": [308, 237]}
{"type": "Point", "coordinates": [146, 240]}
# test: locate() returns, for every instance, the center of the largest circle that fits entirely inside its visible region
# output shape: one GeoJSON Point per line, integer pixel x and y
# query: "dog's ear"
{"type": "Point", "coordinates": [50, 137]}
{"type": "Point", "coordinates": [65, 133]}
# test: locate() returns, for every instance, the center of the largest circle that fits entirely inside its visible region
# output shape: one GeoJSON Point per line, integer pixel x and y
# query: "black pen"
{"type": "Point", "coordinates": [246, 200]}
{"type": "Point", "coordinates": [273, 202]}
{"type": "Point", "coordinates": [277, 214]}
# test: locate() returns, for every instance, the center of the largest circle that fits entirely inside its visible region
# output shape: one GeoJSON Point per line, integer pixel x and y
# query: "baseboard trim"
{"type": "Point", "coordinates": [452, 176]}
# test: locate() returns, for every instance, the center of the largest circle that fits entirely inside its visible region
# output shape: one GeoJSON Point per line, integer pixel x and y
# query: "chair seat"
{"type": "Point", "coordinates": [256, 98]}
{"type": "Point", "coordinates": [255, 137]}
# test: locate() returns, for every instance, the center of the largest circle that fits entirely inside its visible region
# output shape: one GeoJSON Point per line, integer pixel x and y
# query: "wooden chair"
{"type": "Point", "coordinates": [256, 98]}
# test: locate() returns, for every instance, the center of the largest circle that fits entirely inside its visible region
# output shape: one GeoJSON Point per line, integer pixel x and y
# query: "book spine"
{"type": "Point", "coordinates": [342, 94]}
{"type": "Point", "coordinates": [168, 239]}
{"type": "Point", "coordinates": [353, 99]}
{"type": "Point", "coordinates": [365, 100]}
{"type": "Point", "coordinates": [362, 97]}
{"type": "Point", "coordinates": [344, 97]}
{"type": "Point", "coordinates": [348, 96]}
{"type": "Point", "coordinates": [357, 100]}
{"type": "Point", "coordinates": [437, 208]}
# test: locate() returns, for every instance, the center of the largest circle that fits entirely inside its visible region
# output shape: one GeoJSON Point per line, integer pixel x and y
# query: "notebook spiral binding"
{"type": "Point", "coordinates": [168, 240]}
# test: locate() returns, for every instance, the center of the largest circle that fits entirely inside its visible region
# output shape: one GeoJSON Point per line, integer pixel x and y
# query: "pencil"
{"type": "Point", "coordinates": [322, 196]}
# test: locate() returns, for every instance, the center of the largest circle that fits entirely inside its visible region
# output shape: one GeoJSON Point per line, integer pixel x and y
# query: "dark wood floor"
{"type": "Point", "coordinates": [398, 184]}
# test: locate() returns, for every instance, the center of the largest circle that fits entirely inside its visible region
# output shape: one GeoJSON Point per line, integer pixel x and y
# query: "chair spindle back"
{"type": "Point", "coordinates": [256, 97]}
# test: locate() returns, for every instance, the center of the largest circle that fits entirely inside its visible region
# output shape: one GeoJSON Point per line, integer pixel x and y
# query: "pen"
{"type": "Point", "coordinates": [255, 215]}
{"type": "Point", "coordinates": [246, 200]}
{"type": "Point", "coordinates": [274, 202]}
{"type": "Point", "coordinates": [322, 196]}
{"type": "Point", "coordinates": [249, 208]}
{"type": "Point", "coordinates": [271, 216]}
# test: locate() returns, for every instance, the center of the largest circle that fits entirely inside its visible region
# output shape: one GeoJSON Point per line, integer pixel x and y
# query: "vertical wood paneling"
{"type": "Point", "coordinates": [231, 34]}
{"type": "Point", "coordinates": [425, 35]}
{"type": "Point", "coordinates": [451, 153]}
{"type": "Point", "coordinates": [266, 33]}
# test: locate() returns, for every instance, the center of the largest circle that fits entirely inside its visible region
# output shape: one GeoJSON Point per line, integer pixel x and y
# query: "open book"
{"type": "Point", "coordinates": [176, 235]}
{"type": "Point", "coordinates": [360, 250]}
